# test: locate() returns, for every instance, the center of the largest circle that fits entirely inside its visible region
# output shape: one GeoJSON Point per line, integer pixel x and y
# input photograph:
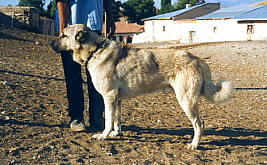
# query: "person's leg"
{"type": "Point", "coordinates": [96, 105]}
{"type": "Point", "coordinates": [72, 72]}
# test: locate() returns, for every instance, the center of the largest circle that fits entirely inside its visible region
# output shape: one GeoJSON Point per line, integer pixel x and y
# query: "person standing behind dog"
{"type": "Point", "coordinates": [90, 13]}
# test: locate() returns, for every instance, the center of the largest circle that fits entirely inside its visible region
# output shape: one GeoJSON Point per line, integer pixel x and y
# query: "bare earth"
{"type": "Point", "coordinates": [34, 122]}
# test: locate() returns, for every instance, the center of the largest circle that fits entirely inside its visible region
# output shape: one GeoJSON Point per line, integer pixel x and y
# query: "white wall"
{"type": "Point", "coordinates": [228, 30]}
{"type": "Point", "coordinates": [159, 31]}
{"type": "Point", "coordinates": [200, 30]}
{"type": "Point", "coordinates": [218, 30]}
{"type": "Point", "coordinates": [260, 31]}
{"type": "Point", "coordinates": [185, 28]}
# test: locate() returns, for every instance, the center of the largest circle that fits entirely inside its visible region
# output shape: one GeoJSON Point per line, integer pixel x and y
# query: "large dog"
{"type": "Point", "coordinates": [120, 72]}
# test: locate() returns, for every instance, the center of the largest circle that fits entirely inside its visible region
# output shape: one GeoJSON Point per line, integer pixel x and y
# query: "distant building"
{"type": "Point", "coordinates": [125, 31]}
{"type": "Point", "coordinates": [47, 26]}
{"type": "Point", "coordinates": [231, 24]}
{"type": "Point", "coordinates": [227, 24]}
{"type": "Point", "coordinates": [166, 27]}
{"type": "Point", "coordinates": [26, 18]}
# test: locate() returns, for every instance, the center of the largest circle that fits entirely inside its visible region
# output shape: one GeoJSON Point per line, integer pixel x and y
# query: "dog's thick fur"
{"type": "Point", "coordinates": [120, 72]}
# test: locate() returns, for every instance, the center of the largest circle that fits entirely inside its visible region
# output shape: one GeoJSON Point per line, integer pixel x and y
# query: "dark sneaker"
{"type": "Point", "coordinates": [77, 126]}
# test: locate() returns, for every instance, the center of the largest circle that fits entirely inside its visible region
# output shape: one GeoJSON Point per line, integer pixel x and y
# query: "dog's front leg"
{"type": "Point", "coordinates": [117, 121]}
{"type": "Point", "coordinates": [110, 101]}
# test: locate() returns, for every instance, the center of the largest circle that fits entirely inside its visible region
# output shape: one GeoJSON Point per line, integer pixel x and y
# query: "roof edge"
{"type": "Point", "coordinates": [156, 17]}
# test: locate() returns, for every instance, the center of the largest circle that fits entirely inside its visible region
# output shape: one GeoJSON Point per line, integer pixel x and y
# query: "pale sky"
{"type": "Point", "coordinates": [157, 2]}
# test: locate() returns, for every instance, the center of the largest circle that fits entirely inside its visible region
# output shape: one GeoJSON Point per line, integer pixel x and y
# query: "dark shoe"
{"type": "Point", "coordinates": [77, 126]}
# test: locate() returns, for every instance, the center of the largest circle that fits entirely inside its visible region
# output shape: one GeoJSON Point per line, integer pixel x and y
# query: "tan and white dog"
{"type": "Point", "coordinates": [121, 72]}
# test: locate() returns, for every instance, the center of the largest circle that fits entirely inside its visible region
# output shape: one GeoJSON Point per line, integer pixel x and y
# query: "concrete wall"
{"type": "Point", "coordinates": [188, 31]}
{"type": "Point", "coordinates": [159, 31]}
{"type": "Point", "coordinates": [223, 30]}
{"type": "Point", "coordinates": [26, 18]}
{"type": "Point", "coordinates": [47, 27]}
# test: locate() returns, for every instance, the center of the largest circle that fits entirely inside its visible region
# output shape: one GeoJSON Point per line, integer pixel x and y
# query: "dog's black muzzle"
{"type": "Point", "coordinates": [56, 46]}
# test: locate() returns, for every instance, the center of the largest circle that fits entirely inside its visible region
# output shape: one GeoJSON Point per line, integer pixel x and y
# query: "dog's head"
{"type": "Point", "coordinates": [76, 38]}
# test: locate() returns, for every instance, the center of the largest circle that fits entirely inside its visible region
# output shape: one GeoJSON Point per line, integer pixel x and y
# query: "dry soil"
{"type": "Point", "coordinates": [34, 122]}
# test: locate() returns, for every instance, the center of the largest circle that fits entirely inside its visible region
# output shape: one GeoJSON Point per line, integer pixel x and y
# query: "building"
{"type": "Point", "coordinates": [166, 27]}
{"type": "Point", "coordinates": [125, 31]}
{"type": "Point", "coordinates": [230, 24]}
{"type": "Point", "coordinates": [238, 23]}
{"type": "Point", "coordinates": [47, 26]}
{"type": "Point", "coordinates": [26, 18]}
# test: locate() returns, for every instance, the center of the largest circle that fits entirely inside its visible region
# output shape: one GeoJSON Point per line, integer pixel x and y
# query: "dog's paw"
{"type": "Point", "coordinates": [114, 134]}
{"type": "Point", "coordinates": [98, 136]}
{"type": "Point", "coordinates": [192, 146]}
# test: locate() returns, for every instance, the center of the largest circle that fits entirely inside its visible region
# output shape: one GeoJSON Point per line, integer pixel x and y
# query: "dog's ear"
{"type": "Point", "coordinates": [81, 36]}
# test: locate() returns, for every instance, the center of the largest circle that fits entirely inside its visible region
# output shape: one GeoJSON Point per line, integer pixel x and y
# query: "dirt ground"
{"type": "Point", "coordinates": [34, 122]}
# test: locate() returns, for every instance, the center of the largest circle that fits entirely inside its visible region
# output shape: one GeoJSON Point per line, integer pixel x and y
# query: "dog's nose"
{"type": "Point", "coordinates": [53, 46]}
{"type": "Point", "coordinates": [51, 43]}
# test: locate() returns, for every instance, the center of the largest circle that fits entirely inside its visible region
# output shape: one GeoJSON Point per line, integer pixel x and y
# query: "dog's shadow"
{"type": "Point", "coordinates": [259, 137]}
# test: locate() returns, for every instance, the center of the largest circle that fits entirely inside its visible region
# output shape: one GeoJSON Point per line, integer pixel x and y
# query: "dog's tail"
{"type": "Point", "coordinates": [218, 93]}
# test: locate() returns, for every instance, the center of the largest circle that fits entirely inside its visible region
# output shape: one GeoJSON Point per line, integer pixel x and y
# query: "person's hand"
{"type": "Point", "coordinates": [110, 28]}
{"type": "Point", "coordinates": [110, 24]}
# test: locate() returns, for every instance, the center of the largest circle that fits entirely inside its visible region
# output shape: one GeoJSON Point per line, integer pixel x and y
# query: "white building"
{"type": "Point", "coordinates": [231, 24]}
{"type": "Point", "coordinates": [227, 24]}
{"type": "Point", "coordinates": [165, 27]}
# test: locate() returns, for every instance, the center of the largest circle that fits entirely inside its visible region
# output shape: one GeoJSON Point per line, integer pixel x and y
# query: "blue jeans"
{"type": "Point", "coordinates": [75, 96]}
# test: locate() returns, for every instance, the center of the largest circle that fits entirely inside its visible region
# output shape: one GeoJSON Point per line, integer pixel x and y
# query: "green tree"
{"type": "Point", "coordinates": [136, 10]}
{"type": "Point", "coordinates": [32, 3]}
{"type": "Point", "coordinates": [181, 4]}
{"type": "Point", "coordinates": [51, 8]}
{"type": "Point", "coordinates": [166, 6]}
{"type": "Point", "coordinates": [115, 7]}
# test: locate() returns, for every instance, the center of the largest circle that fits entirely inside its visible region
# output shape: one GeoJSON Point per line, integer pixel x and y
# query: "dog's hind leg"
{"type": "Point", "coordinates": [188, 94]}
{"type": "Point", "coordinates": [198, 124]}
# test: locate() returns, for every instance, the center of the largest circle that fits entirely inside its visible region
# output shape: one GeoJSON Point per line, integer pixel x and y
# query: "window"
{"type": "Point", "coordinates": [192, 36]}
{"type": "Point", "coordinates": [250, 29]}
{"type": "Point", "coordinates": [215, 30]}
{"type": "Point", "coordinates": [121, 39]}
